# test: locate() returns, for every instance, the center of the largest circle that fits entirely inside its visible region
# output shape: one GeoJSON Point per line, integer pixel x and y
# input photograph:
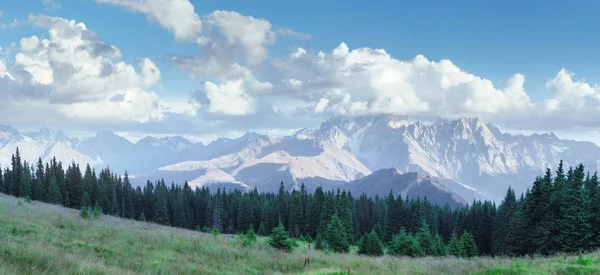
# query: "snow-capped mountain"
{"type": "Point", "coordinates": [469, 157]}
{"type": "Point", "coordinates": [264, 162]}
{"type": "Point", "coordinates": [43, 144]}
{"type": "Point", "coordinates": [103, 149]}
{"type": "Point", "coordinates": [468, 151]}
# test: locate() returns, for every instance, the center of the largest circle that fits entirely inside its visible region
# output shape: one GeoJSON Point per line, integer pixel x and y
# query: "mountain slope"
{"type": "Point", "coordinates": [264, 162]}
{"type": "Point", "coordinates": [410, 185]}
{"type": "Point", "coordinates": [467, 151]}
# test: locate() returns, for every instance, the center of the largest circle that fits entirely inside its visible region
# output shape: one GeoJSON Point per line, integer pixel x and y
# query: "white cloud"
{"type": "Point", "coordinates": [251, 33]}
{"type": "Point", "coordinates": [177, 16]}
{"type": "Point", "coordinates": [72, 74]}
{"type": "Point", "coordinates": [29, 44]}
{"type": "Point", "coordinates": [150, 73]}
{"type": "Point", "coordinates": [51, 4]}
{"type": "Point", "coordinates": [369, 81]}
{"type": "Point", "coordinates": [321, 105]}
{"type": "Point", "coordinates": [228, 98]}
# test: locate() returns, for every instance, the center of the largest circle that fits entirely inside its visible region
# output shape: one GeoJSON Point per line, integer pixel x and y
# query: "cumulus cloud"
{"type": "Point", "coordinates": [251, 33]}
{"type": "Point", "coordinates": [177, 16]}
{"type": "Point", "coordinates": [72, 74]}
{"type": "Point", "coordinates": [369, 81]}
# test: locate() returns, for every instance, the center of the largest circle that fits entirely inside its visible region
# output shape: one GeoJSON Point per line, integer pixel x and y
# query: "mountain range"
{"type": "Point", "coordinates": [448, 161]}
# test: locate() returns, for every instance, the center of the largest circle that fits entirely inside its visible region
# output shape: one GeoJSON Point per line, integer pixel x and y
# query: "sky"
{"type": "Point", "coordinates": [220, 68]}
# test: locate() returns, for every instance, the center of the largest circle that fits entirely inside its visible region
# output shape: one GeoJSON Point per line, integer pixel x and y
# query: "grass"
{"type": "Point", "coordinates": [37, 238]}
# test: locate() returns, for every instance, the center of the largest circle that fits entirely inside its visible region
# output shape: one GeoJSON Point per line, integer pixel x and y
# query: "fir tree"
{"type": "Point", "coordinates": [54, 196]}
{"type": "Point", "coordinates": [469, 245]}
{"type": "Point", "coordinates": [280, 239]}
{"type": "Point", "coordinates": [261, 230]}
{"type": "Point", "coordinates": [405, 244]}
{"type": "Point", "coordinates": [336, 236]}
{"type": "Point", "coordinates": [245, 216]}
{"type": "Point", "coordinates": [425, 239]}
{"type": "Point", "coordinates": [455, 247]}
{"type": "Point", "coordinates": [370, 245]}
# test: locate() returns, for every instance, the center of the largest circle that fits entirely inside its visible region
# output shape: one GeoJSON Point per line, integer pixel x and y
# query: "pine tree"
{"type": "Point", "coordinates": [296, 218]}
{"type": "Point", "coordinates": [85, 200]}
{"type": "Point", "coordinates": [425, 239]}
{"type": "Point", "coordinates": [161, 212]}
{"type": "Point", "coordinates": [575, 229]}
{"type": "Point", "coordinates": [245, 216]}
{"type": "Point", "coordinates": [405, 244]}
{"type": "Point", "coordinates": [54, 196]}
{"type": "Point", "coordinates": [370, 245]}
{"type": "Point", "coordinates": [506, 211]}
{"type": "Point", "coordinates": [261, 230]}
{"type": "Point", "coordinates": [39, 189]}
{"type": "Point", "coordinates": [469, 245]}
{"type": "Point", "coordinates": [2, 184]}
{"type": "Point", "coordinates": [25, 182]}
{"type": "Point", "coordinates": [455, 247]}
{"type": "Point", "coordinates": [336, 236]}
{"type": "Point", "coordinates": [280, 239]}
{"type": "Point", "coordinates": [439, 249]}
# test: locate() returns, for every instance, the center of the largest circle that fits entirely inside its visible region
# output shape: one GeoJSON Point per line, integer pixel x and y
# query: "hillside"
{"type": "Point", "coordinates": [38, 238]}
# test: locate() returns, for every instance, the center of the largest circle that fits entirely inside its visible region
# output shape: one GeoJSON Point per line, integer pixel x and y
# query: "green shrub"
{"type": "Point", "coordinates": [249, 238]}
{"type": "Point", "coordinates": [84, 213]}
{"type": "Point", "coordinates": [215, 231]}
{"type": "Point", "coordinates": [96, 212]}
{"type": "Point", "coordinates": [584, 261]}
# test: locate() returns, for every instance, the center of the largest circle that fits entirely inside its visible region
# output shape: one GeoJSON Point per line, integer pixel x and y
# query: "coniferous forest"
{"type": "Point", "coordinates": [559, 214]}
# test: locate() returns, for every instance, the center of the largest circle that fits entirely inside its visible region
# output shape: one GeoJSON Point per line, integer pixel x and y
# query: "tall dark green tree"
{"type": "Point", "coordinates": [245, 216]}
{"type": "Point", "coordinates": [469, 245]}
{"type": "Point", "coordinates": [370, 245]}
{"type": "Point", "coordinates": [54, 196]}
{"type": "Point", "coordinates": [336, 236]}
{"type": "Point", "coordinates": [405, 244]}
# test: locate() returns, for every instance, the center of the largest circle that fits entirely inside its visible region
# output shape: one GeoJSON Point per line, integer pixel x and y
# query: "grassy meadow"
{"type": "Point", "coordinates": [38, 238]}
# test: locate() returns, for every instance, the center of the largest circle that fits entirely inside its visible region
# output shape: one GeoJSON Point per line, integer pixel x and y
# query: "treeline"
{"type": "Point", "coordinates": [560, 213]}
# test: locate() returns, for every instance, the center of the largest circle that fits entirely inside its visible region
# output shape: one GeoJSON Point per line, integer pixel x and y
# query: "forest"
{"type": "Point", "coordinates": [560, 213]}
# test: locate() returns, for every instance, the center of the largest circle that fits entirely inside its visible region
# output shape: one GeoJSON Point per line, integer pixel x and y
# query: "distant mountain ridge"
{"type": "Point", "coordinates": [458, 160]}
{"type": "Point", "coordinates": [465, 150]}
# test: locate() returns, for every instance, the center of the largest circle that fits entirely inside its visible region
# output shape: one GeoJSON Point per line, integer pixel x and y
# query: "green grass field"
{"type": "Point", "coordinates": [37, 238]}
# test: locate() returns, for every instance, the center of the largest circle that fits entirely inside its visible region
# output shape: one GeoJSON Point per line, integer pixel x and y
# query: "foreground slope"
{"type": "Point", "coordinates": [38, 238]}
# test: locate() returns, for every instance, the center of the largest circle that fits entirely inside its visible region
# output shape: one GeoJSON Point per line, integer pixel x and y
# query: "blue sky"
{"type": "Point", "coordinates": [490, 40]}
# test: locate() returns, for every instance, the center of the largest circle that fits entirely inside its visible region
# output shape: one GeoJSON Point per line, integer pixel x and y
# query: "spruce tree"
{"type": "Point", "coordinates": [336, 235]}
{"type": "Point", "coordinates": [245, 216]}
{"type": "Point", "coordinates": [370, 245]}
{"type": "Point", "coordinates": [261, 230]}
{"type": "Point", "coordinates": [2, 185]}
{"type": "Point", "coordinates": [405, 244]}
{"type": "Point", "coordinates": [439, 249]}
{"type": "Point", "coordinates": [25, 182]}
{"type": "Point", "coordinates": [575, 229]}
{"type": "Point", "coordinates": [455, 247]}
{"type": "Point", "coordinates": [425, 239]}
{"type": "Point", "coordinates": [469, 245]}
{"type": "Point", "coordinates": [54, 196]}
{"type": "Point", "coordinates": [280, 239]}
